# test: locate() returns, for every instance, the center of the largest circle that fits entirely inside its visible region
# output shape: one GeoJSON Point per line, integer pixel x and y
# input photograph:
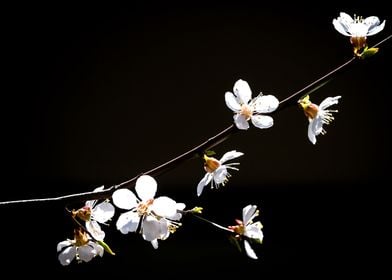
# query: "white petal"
{"type": "Point", "coordinates": [94, 228]}
{"type": "Point", "coordinates": [242, 91]}
{"type": "Point", "coordinates": [154, 243]}
{"type": "Point", "coordinates": [265, 103]}
{"type": "Point", "coordinates": [311, 134]}
{"type": "Point", "coordinates": [220, 174]}
{"type": "Point", "coordinates": [340, 27]}
{"type": "Point", "coordinates": [262, 121]}
{"type": "Point", "coordinates": [249, 251]}
{"type": "Point", "coordinates": [98, 248]}
{"type": "Point", "coordinates": [358, 29]}
{"type": "Point", "coordinates": [124, 199]}
{"type": "Point", "coordinates": [248, 213]}
{"type": "Point", "coordinates": [99, 189]}
{"type": "Point", "coordinates": [254, 231]}
{"type": "Point", "coordinates": [151, 228]}
{"type": "Point", "coordinates": [229, 156]}
{"type": "Point", "coordinates": [63, 244]}
{"type": "Point", "coordinates": [317, 125]}
{"type": "Point", "coordinates": [66, 256]}
{"type": "Point", "coordinates": [241, 122]}
{"type": "Point", "coordinates": [146, 187]}
{"type": "Point", "coordinates": [375, 29]}
{"type": "Point", "coordinates": [103, 212]}
{"type": "Point", "coordinates": [231, 102]}
{"type": "Point", "coordinates": [203, 182]}
{"type": "Point", "coordinates": [128, 222]}
{"type": "Point", "coordinates": [329, 101]}
{"type": "Point", "coordinates": [180, 206]}
{"type": "Point", "coordinates": [86, 253]}
{"type": "Point", "coordinates": [164, 207]}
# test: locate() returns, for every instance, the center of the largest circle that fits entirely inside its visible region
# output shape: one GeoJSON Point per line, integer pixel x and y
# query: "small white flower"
{"type": "Point", "coordinates": [318, 115]}
{"type": "Point", "coordinates": [250, 230]}
{"type": "Point", "coordinates": [357, 27]}
{"type": "Point", "coordinates": [81, 247]}
{"type": "Point", "coordinates": [246, 109]}
{"type": "Point", "coordinates": [217, 171]}
{"type": "Point", "coordinates": [93, 213]}
{"type": "Point", "coordinates": [157, 217]}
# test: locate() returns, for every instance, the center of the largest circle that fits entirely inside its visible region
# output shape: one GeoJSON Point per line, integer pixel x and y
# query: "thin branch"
{"type": "Point", "coordinates": [212, 223]}
{"type": "Point", "coordinates": [192, 153]}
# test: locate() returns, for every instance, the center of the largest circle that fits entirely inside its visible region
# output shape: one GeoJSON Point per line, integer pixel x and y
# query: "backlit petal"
{"type": "Point", "coordinates": [146, 187]}
{"type": "Point", "coordinates": [232, 102]}
{"type": "Point", "coordinates": [128, 222]}
{"type": "Point", "coordinates": [203, 182]}
{"type": "Point", "coordinates": [249, 251]}
{"type": "Point", "coordinates": [66, 256]}
{"type": "Point", "coordinates": [124, 199]}
{"type": "Point", "coordinates": [262, 121]}
{"type": "Point", "coordinates": [103, 212]}
{"type": "Point", "coordinates": [229, 156]}
{"type": "Point", "coordinates": [248, 213]}
{"type": "Point", "coordinates": [242, 91]}
{"type": "Point", "coordinates": [241, 122]}
{"type": "Point", "coordinates": [265, 104]}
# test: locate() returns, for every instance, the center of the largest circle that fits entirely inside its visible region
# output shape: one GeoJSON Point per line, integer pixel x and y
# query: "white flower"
{"type": "Point", "coordinates": [318, 115]}
{"type": "Point", "coordinates": [157, 217]}
{"type": "Point", "coordinates": [246, 109]}
{"type": "Point", "coordinates": [217, 171]}
{"type": "Point", "coordinates": [93, 214]}
{"type": "Point", "coordinates": [250, 230]}
{"type": "Point", "coordinates": [357, 27]}
{"type": "Point", "coordinates": [81, 247]}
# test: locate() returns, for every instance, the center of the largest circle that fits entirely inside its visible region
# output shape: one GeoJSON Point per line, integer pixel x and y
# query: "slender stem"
{"type": "Point", "coordinates": [212, 223]}
{"type": "Point", "coordinates": [192, 153]}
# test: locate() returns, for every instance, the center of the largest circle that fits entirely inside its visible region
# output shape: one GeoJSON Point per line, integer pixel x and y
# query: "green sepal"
{"type": "Point", "coordinates": [368, 52]}
{"type": "Point", "coordinates": [209, 153]}
{"type": "Point", "coordinates": [106, 247]}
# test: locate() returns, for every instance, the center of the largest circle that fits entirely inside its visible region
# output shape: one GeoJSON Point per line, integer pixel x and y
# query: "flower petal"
{"type": "Point", "coordinates": [220, 174]}
{"type": "Point", "coordinates": [241, 122]}
{"type": "Point", "coordinates": [128, 222]}
{"type": "Point", "coordinates": [262, 121]}
{"type": "Point", "coordinates": [203, 182]}
{"type": "Point", "coordinates": [98, 248]}
{"type": "Point", "coordinates": [329, 101]}
{"type": "Point", "coordinates": [103, 212]}
{"type": "Point", "coordinates": [154, 243]}
{"type": "Point", "coordinates": [164, 207]}
{"type": "Point", "coordinates": [265, 103]}
{"type": "Point", "coordinates": [86, 253]}
{"type": "Point", "coordinates": [63, 244]}
{"type": "Point", "coordinates": [311, 134]}
{"type": "Point", "coordinates": [248, 213]}
{"type": "Point", "coordinates": [254, 231]}
{"type": "Point", "coordinates": [376, 28]}
{"type": "Point", "coordinates": [151, 228]}
{"type": "Point", "coordinates": [242, 91]}
{"type": "Point", "coordinates": [66, 256]}
{"type": "Point", "coordinates": [124, 199]}
{"type": "Point", "coordinates": [232, 102]}
{"type": "Point", "coordinates": [95, 230]}
{"type": "Point", "coordinates": [146, 187]}
{"type": "Point", "coordinates": [340, 27]}
{"type": "Point", "coordinates": [249, 251]}
{"type": "Point", "coordinates": [230, 155]}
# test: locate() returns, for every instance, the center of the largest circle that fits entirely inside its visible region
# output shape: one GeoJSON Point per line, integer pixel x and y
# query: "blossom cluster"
{"type": "Point", "coordinates": [155, 218]}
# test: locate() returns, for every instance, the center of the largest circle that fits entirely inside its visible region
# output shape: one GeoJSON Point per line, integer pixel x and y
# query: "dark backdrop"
{"type": "Point", "coordinates": [96, 95]}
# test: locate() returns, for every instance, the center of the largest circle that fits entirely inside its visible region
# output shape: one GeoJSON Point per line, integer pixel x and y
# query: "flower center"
{"type": "Point", "coordinates": [83, 213]}
{"type": "Point", "coordinates": [80, 237]}
{"type": "Point", "coordinates": [143, 207]}
{"type": "Point", "coordinates": [239, 228]}
{"type": "Point", "coordinates": [246, 111]}
{"type": "Point", "coordinates": [211, 164]}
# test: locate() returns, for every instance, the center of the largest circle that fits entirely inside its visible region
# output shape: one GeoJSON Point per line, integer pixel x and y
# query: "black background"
{"type": "Point", "coordinates": [96, 95]}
